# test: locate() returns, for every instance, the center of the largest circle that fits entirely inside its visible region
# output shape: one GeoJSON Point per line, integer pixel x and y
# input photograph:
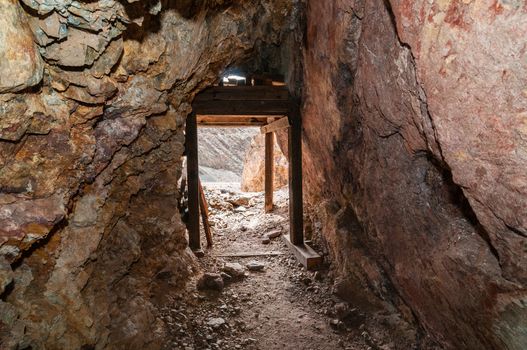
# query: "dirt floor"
{"type": "Point", "coordinates": [280, 307]}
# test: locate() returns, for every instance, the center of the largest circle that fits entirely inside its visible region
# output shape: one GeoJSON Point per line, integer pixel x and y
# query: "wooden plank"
{"type": "Point", "coordinates": [266, 79]}
{"type": "Point", "coordinates": [204, 209]}
{"type": "Point", "coordinates": [235, 118]}
{"type": "Point", "coordinates": [296, 219]}
{"type": "Point", "coordinates": [275, 126]}
{"type": "Point", "coordinates": [230, 125]}
{"type": "Point", "coordinates": [269, 171]}
{"type": "Point", "coordinates": [243, 93]}
{"type": "Point", "coordinates": [246, 107]}
{"type": "Point", "coordinates": [231, 121]}
{"type": "Point", "coordinates": [306, 255]}
{"type": "Point", "coordinates": [191, 150]}
{"type": "Point", "coordinates": [249, 254]}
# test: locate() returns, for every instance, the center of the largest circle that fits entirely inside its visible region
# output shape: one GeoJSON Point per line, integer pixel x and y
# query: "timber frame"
{"type": "Point", "coordinates": [271, 108]}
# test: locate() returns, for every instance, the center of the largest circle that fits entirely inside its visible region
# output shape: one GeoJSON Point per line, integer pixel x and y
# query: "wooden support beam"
{"type": "Point", "coordinates": [269, 171]}
{"type": "Point", "coordinates": [296, 219]}
{"type": "Point", "coordinates": [243, 93]}
{"type": "Point", "coordinates": [191, 150]}
{"type": "Point", "coordinates": [306, 255]}
{"type": "Point", "coordinates": [279, 124]}
{"type": "Point", "coordinates": [204, 209]}
{"type": "Point", "coordinates": [242, 107]}
{"type": "Point", "coordinates": [230, 125]}
{"type": "Point", "coordinates": [249, 254]}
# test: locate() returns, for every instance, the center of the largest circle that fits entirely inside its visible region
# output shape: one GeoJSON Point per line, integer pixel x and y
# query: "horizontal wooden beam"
{"type": "Point", "coordinates": [231, 121]}
{"type": "Point", "coordinates": [230, 125]}
{"type": "Point", "coordinates": [243, 93]}
{"type": "Point", "coordinates": [279, 124]}
{"type": "Point", "coordinates": [262, 117]}
{"type": "Point", "coordinates": [308, 257]}
{"type": "Point", "coordinates": [248, 107]}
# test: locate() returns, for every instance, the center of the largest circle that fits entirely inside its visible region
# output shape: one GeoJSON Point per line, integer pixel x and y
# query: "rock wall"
{"type": "Point", "coordinates": [93, 101]}
{"type": "Point", "coordinates": [416, 160]}
{"type": "Point", "coordinates": [222, 152]}
{"type": "Point", "coordinates": [253, 176]}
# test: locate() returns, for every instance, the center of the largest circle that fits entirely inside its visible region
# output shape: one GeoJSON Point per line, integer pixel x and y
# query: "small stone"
{"type": "Point", "coordinates": [240, 209]}
{"type": "Point", "coordinates": [274, 234]}
{"type": "Point", "coordinates": [335, 323]}
{"type": "Point", "coordinates": [255, 266]}
{"type": "Point", "coordinates": [235, 270]}
{"type": "Point", "coordinates": [210, 281]}
{"type": "Point", "coordinates": [239, 201]}
{"type": "Point", "coordinates": [215, 322]}
{"type": "Point", "coordinates": [266, 240]}
{"type": "Point", "coordinates": [226, 277]}
{"type": "Point", "coordinates": [318, 276]}
{"type": "Point", "coordinates": [199, 253]}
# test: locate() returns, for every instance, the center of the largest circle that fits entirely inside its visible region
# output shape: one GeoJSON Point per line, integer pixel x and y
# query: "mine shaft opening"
{"type": "Point", "coordinates": [237, 215]}
{"type": "Point", "coordinates": [244, 102]}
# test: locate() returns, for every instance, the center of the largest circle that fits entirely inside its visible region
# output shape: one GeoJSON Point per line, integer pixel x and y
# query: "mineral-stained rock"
{"type": "Point", "coordinates": [414, 139]}
{"type": "Point", "coordinates": [90, 160]}
{"type": "Point", "coordinates": [6, 274]}
{"type": "Point", "coordinates": [415, 163]}
{"type": "Point", "coordinates": [20, 62]}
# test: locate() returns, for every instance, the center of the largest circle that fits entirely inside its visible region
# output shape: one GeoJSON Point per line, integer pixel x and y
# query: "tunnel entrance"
{"type": "Point", "coordinates": [271, 108]}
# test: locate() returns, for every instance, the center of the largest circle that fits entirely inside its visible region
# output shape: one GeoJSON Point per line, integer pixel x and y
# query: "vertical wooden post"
{"type": "Point", "coordinates": [191, 150]}
{"type": "Point", "coordinates": [296, 219]}
{"type": "Point", "coordinates": [269, 171]}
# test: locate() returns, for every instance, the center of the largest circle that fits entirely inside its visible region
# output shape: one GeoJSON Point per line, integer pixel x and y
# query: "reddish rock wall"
{"type": "Point", "coordinates": [414, 121]}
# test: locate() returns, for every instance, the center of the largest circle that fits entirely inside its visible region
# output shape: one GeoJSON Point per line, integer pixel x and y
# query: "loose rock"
{"type": "Point", "coordinates": [211, 281]}
{"type": "Point", "coordinates": [216, 322]}
{"type": "Point", "coordinates": [274, 234]}
{"type": "Point", "coordinates": [235, 270]}
{"type": "Point", "coordinates": [255, 266]}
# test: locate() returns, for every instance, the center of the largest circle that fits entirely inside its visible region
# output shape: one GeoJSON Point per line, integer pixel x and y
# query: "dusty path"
{"type": "Point", "coordinates": [281, 307]}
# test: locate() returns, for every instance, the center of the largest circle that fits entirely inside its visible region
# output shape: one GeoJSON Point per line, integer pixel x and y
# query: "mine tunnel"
{"type": "Point", "coordinates": [369, 161]}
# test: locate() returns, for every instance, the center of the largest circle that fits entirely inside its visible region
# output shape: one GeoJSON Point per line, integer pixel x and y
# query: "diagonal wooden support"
{"type": "Point", "coordinates": [204, 209]}
{"type": "Point", "coordinates": [279, 124]}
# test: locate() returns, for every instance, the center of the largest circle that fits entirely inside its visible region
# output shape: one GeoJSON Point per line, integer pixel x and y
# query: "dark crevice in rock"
{"type": "Point", "coordinates": [459, 200]}
{"type": "Point", "coordinates": [39, 244]}
{"type": "Point", "coordinates": [516, 230]}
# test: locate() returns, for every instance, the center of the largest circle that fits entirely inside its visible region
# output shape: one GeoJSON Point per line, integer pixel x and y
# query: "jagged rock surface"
{"type": "Point", "coordinates": [90, 159]}
{"type": "Point", "coordinates": [415, 158]}
{"type": "Point", "coordinates": [417, 170]}
{"type": "Point", "coordinates": [253, 176]}
{"type": "Point", "coordinates": [20, 63]}
{"type": "Point", "coordinates": [222, 151]}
